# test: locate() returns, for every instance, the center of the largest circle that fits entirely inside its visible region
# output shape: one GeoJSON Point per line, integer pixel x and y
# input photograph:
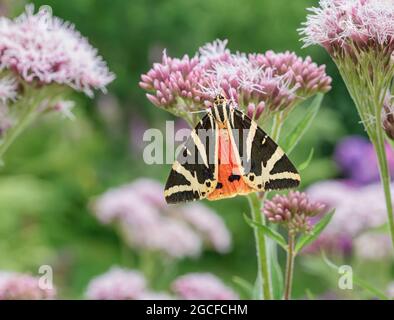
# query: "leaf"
{"type": "Point", "coordinates": [306, 163]}
{"type": "Point", "coordinates": [272, 234]}
{"type": "Point", "coordinates": [316, 231]}
{"type": "Point", "coordinates": [291, 141]}
{"type": "Point", "coordinates": [245, 285]}
{"type": "Point", "coordinates": [358, 281]}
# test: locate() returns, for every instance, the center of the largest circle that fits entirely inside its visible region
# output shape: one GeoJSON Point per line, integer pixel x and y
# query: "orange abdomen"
{"type": "Point", "coordinates": [230, 180]}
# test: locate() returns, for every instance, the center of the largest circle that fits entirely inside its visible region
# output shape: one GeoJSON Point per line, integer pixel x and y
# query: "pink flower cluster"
{"type": "Point", "coordinates": [43, 49]}
{"type": "Point", "coordinates": [255, 82]}
{"type": "Point", "coordinates": [125, 284]}
{"type": "Point", "coordinates": [17, 286]}
{"type": "Point", "coordinates": [121, 284]}
{"type": "Point", "coordinates": [337, 24]}
{"type": "Point", "coordinates": [147, 223]}
{"type": "Point", "coordinates": [293, 211]}
{"type": "Point", "coordinates": [202, 286]}
{"type": "Point", "coordinates": [373, 246]}
{"type": "Point", "coordinates": [357, 209]}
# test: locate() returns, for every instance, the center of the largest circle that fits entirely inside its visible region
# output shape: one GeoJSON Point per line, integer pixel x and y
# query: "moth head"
{"type": "Point", "coordinates": [219, 100]}
{"type": "Point", "coordinates": [220, 109]}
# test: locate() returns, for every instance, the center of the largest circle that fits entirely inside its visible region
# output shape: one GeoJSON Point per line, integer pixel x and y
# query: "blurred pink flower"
{"type": "Point", "coordinates": [373, 246]}
{"type": "Point", "coordinates": [357, 209]}
{"type": "Point", "coordinates": [117, 284]}
{"type": "Point", "coordinates": [356, 157]}
{"type": "Point", "coordinates": [123, 204]}
{"type": "Point", "coordinates": [202, 286]}
{"type": "Point", "coordinates": [147, 223]}
{"type": "Point", "coordinates": [18, 286]}
{"type": "Point", "coordinates": [209, 225]}
{"type": "Point", "coordinates": [338, 24]}
{"type": "Point", "coordinates": [43, 48]}
{"type": "Point", "coordinates": [294, 211]}
{"type": "Point", "coordinates": [170, 236]}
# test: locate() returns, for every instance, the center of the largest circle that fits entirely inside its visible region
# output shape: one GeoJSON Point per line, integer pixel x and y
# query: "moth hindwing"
{"type": "Point", "coordinates": [193, 174]}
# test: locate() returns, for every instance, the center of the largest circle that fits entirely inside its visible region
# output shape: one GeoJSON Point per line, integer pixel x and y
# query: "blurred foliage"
{"type": "Point", "coordinates": [54, 169]}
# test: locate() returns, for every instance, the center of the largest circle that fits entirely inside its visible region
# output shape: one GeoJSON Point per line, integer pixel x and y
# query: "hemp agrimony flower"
{"type": "Point", "coordinates": [294, 212]}
{"type": "Point", "coordinates": [359, 36]}
{"type": "Point", "coordinates": [260, 84]}
{"type": "Point", "coordinates": [41, 59]}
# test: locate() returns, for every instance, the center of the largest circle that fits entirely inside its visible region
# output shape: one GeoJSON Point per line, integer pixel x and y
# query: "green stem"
{"type": "Point", "coordinates": [289, 267]}
{"type": "Point", "coordinates": [385, 177]}
{"type": "Point", "coordinates": [263, 272]}
{"type": "Point", "coordinates": [27, 117]}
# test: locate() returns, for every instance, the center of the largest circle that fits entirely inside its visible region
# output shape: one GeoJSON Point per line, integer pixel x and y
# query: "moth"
{"type": "Point", "coordinates": [228, 154]}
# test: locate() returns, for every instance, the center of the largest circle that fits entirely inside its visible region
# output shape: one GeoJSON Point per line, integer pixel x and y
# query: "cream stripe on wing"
{"type": "Point", "coordinates": [201, 148]}
{"type": "Point", "coordinates": [285, 175]}
{"type": "Point", "coordinates": [249, 140]}
{"type": "Point", "coordinates": [274, 159]}
{"type": "Point", "coordinates": [176, 189]}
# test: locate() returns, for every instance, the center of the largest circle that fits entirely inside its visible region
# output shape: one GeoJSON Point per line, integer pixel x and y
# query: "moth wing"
{"type": "Point", "coordinates": [194, 173]}
{"type": "Point", "coordinates": [265, 165]}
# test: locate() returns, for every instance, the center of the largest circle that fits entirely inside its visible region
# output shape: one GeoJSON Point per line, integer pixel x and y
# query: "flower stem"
{"type": "Point", "coordinates": [289, 266]}
{"type": "Point", "coordinates": [385, 177]}
{"type": "Point", "coordinates": [263, 272]}
{"type": "Point", "coordinates": [23, 121]}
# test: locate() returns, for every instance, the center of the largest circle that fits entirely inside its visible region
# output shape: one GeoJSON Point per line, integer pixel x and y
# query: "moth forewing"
{"type": "Point", "coordinates": [193, 175]}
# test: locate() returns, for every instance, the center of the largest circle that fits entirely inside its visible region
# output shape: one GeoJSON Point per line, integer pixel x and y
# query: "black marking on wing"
{"type": "Point", "coordinates": [283, 165]}
{"type": "Point", "coordinates": [176, 179]}
{"type": "Point", "coordinates": [278, 184]}
{"type": "Point", "coordinates": [182, 197]}
{"type": "Point", "coordinates": [234, 177]}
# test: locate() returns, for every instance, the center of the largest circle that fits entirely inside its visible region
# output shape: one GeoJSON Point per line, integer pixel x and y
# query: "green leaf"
{"type": "Point", "coordinates": [318, 228]}
{"type": "Point", "coordinates": [272, 234]}
{"type": "Point", "coordinates": [357, 281]}
{"type": "Point", "coordinates": [306, 163]}
{"type": "Point", "coordinates": [291, 141]}
{"type": "Point", "coordinates": [245, 285]}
